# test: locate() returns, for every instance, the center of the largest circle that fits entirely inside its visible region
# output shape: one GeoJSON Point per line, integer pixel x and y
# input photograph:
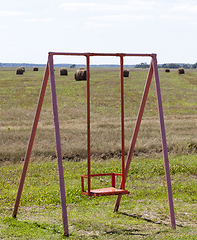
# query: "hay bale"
{"type": "Point", "coordinates": [181, 71]}
{"type": "Point", "coordinates": [20, 70]}
{"type": "Point", "coordinates": [63, 72]}
{"type": "Point", "coordinates": [23, 68]}
{"type": "Point", "coordinates": [166, 70]}
{"type": "Point", "coordinates": [125, 73]}
{"type": "Point", "coordinates": [80, 74]}
{"type": "Point", "coordinates": [35, 69]}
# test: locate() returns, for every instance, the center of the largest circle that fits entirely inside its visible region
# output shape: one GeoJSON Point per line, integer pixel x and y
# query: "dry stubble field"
{"type": "Point", "coordinates": [19, 96]}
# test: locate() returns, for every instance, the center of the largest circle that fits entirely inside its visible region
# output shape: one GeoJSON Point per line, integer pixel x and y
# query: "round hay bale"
{"type": "Point", "coordinates": [125, 73]}
{"type": "Point", "coordinates": [166, 70]}
{"type": "Point", "coordinates": [23, 68]}
{"type": "Point", "coordinates": [181, 71]}
{"type": "Point", "coordinates": [63, 72]}
{"type": "Point", "coordinates": [19, 70]}
{"type": "Point", "coordinates": [35, 69]}
{"type": "Point", "coordinates": [80, 75]}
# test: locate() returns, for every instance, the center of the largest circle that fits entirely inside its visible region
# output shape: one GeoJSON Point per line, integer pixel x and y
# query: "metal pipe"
{"type": "Point", "coordinates": [164, 143]}
{"type": "Point", "coordinates": [103, 54]}
{"type": "Point", "coordinates": [113, 180]}
{"type": "Point", "coordinates": [88, 122]}
{"type": "Point", "coordinates": [31, 140]}
{"type": "Point", "coordinates": [136, 130]}
{"type": "Point", "coordinates": [58, 146]}
{"type": "Point", "coordinates": [122, 122]}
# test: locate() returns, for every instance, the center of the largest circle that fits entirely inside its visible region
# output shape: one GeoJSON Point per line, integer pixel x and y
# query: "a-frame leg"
{"type": "Point", "coordinates": [153, 67]}
{"type": "Point", "coordinates": [136, 130]}
{"type": "Point", "coordinates": [164, 143]}
{"type": "Point", "coordinates": [58, 146]}
{"type": "Point", "coordinates": [31, 141]}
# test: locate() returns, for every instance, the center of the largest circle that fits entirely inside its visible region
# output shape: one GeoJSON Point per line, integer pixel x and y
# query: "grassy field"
{"type": "Point", "coordinates": [143, 214]}
{"type": "Point", "coordinates": [19, 96]}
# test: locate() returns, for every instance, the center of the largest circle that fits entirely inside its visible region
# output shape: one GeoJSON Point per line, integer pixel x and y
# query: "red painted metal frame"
{"type": "Point", "coordinates": [32, 136]}
{"type": "Point", "coordinates": [125, 168]}
{"type": "Point", "coordinates": [136, 130]}
{"type": "Point", "coordinates": [58, 145]}
{"type": "Point", "coordinates": [122, 122]}
{"type": "Point", "coordinates": [88, 123]}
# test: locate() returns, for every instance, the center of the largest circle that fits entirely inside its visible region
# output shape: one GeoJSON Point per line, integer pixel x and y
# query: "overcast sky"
{"type": "Point", "coordinates": [30, 29]}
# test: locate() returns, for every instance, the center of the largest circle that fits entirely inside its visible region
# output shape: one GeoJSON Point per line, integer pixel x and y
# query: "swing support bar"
{"type": "Point", "coordinates": [49, 71]}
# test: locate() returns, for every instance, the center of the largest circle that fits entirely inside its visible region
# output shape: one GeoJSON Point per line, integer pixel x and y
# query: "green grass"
{"type": "Point", "coordinates": [143, 213]}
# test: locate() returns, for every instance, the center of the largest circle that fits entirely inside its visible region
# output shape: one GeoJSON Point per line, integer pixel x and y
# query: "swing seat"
{"type": "Point", "coordinates": [103, 191]}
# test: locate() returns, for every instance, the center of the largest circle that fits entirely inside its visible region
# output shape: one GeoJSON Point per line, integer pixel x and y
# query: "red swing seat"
{"type": "Point", "coordinates": [103, 191]}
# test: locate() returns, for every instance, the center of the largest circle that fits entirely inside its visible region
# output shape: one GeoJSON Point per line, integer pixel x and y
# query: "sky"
{"type": "Point", "coordinates": [30, 29]}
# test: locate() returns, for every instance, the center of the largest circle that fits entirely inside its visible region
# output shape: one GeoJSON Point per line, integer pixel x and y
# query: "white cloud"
{"type": "Point", "coordinates": [30, 20]}
{"type": "Point", "coordinates": [193, 23]}
{"type": "Point", "coordinates": [184, 8]}
{"type": "Point", "coordinates": [91, 25]}
{"type": "Point", "coordinates": [11, 13]}
{"type": "Point", "coordinates": [87, 6]}
{"type": "Point", "coordinates": [143, 4]}
{"type": "Point", "coordinates": [122, 18]}
{"type": "Point", "coordinates": [129, 5]}
{"type": "Point", "coordinates": [181, 12]}
{"type": "Point", "coordinates": [47, 19]}
{"type": "Point", "coordinates": [37, 20]}
{"type": "Point", "coordinates": [174, 17]}
{"type": "Point", "coordinates": [70, 25]}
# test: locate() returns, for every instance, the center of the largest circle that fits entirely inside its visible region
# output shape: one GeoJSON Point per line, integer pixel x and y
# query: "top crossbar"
{"type": "Point", "coordinates": [104, 54]}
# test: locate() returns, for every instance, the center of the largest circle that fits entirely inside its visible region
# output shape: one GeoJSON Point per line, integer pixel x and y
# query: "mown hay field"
{"type": "Point", "coordinates": [19, 97]}
{"type": "Point", "coordinates": [144, 213]}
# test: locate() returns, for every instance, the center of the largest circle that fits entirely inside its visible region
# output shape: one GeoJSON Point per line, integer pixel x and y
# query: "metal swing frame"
{"type": "Point", "coordinates": [49, 71]}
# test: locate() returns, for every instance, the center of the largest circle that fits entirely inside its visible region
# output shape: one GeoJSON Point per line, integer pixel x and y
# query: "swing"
{"type": "Point", "coordinates": [110, 190]}
{"type": "Point", "coordinates": [49, 71]}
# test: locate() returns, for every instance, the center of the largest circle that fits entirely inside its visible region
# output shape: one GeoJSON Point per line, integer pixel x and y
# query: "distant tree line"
{"type": "Point", "coordinates": [194, 65]}
{"type": "Point", "coordinates": [141, 65]}
{"type": "Point", "coordinates": [67, 65]}
{"type": "Point", "coordinates": [21, 64]}
{"type": "Point", "coordinates": [169, 65]}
